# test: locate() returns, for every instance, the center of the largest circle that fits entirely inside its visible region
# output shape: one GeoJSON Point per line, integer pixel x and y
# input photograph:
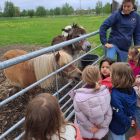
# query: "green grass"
{"type": "Point", "coordinates": [40, 31]}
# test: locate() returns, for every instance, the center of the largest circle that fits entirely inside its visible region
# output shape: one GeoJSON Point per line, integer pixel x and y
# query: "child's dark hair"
{"type": "Point", "coordinates": [110, 62]}
{"type": "Point", "coordinates": [122, 75]}
{"type": "Point", "coordinates": [43, 118]}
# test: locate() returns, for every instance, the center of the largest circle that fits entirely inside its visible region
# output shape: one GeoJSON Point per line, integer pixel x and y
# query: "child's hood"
{"type": "Point", "coordinates": [86, 92]}
{"type": "Point", "coordinates": [127, 96]}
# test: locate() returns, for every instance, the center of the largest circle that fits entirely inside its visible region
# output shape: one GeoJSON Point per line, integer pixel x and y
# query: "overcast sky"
{"type": "Point", "coordinates": [32, 4]}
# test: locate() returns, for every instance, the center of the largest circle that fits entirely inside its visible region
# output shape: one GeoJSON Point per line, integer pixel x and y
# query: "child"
{"type": "Point", "coordinates": [105, 72]}
{"type": "Point", "coordinates": [137, 67]}
{"type": "Point", "coordinates": [134, 59]}
{"type": "Point", "coordinates": [132, 56]}
{"type": "Point", "coordinates": [92, 106]}
{"type": "Point", "coordinates": [123, 100]}
{"type": "Point", "coordinates": [44, 121]}
{"type": "Point", "coordinates": [137, 88]}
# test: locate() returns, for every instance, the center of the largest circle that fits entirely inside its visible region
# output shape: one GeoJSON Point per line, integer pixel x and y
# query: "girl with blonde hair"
{"type": "Point", "coordinates": [92, 105]}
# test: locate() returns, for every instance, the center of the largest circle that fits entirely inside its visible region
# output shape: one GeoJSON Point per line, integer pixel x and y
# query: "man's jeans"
{"type": "Point", "coordinates": [112, 52]}
{"type": "Point", "coordinates": [138, 117]}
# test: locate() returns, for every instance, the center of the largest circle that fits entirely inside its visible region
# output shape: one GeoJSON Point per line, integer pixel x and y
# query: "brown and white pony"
{"type": "Point", "coordinates": [25, 73]}
{"type": "Point", "coordinates": [71, 32]}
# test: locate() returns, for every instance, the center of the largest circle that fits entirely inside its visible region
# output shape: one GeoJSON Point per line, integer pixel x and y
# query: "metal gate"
{"type": "Point", "coordinates": [66, 107]}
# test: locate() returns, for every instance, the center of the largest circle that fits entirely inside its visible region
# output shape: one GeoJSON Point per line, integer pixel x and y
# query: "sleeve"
{"type": "Point", "coordinates": [118, 110]}
{"type": "Point", "coordinates": [136, 34]}
{"type": "Point", "coordinates": [137, 90]}
{"type": "Point", "coordinates": [105, 26]}
{"type": "Point", "coordinates": [108, 118]}
{"type": "Point", "coordinates": [81, 118]}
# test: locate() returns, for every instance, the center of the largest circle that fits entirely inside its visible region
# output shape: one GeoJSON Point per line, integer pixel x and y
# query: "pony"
{"type": "Point", "coordinates": [71, 32]}
{"type": "Point", "coordinates": [24, 74]}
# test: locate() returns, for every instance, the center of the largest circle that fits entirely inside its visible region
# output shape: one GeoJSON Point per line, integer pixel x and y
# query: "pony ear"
{"type": "Point", "coordinates": [57, 56]}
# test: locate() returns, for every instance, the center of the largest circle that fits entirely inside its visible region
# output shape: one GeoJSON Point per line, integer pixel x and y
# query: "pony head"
{"type": "Point", "coordinates": [71, 72]}
{"type": "Point", "coordinates": [77, 31]}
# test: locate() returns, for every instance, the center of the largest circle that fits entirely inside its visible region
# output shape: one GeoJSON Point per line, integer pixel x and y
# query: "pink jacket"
{"type": "Point", "coordinates": [92, 107]}
{"type": "Point", "coordinates": [136, 69]}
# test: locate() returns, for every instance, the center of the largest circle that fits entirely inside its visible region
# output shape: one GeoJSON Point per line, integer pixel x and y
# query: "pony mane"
{"type": "Point", "coordinates": [46, 64]}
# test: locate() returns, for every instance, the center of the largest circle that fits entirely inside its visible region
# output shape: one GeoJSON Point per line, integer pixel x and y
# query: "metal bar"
{"type": "Point", "coordinates": [70, 115]}
{"type": "Point", "coordinates": [20, 136]}
{"type": "Point", "coordinates": [68, 109]}
{"type": "Point", "coordinates": [11, 129]}
{"type": "Point", "coordinates": [56, 93]}
{"type": "Point", "coordinates": [34, 54]}
{"type": "Point", "coordinates": [65, 103]}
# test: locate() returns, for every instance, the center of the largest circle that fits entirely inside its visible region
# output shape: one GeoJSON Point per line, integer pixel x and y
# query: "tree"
{"type": "Point", "coordinates": [67, 9]}
{"type": "Point", "coordinates": [57, 11]}
{"type": "Point", "coordinates": [40, 11]}
{"type": "Point", "coordinates": [9, 9]}
{"type": "Point", "coordinates": [31, 13]}
{"type": "Point", "coordinates": [17, 11]}
{"type": "Point", "coordinates": [1, 14]}
{"type": "Point", "coordinates": [99, 7]}
{"type": "Point", "coordinates": [24, 13]}
{"type": "Point", "coordinates": [51, 12]}
{"type": "Point", "coordinates": [107, 8]}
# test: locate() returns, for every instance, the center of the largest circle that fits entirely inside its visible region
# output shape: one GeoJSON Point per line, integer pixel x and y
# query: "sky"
{"type": "Point", "coordinates": [48, 4]}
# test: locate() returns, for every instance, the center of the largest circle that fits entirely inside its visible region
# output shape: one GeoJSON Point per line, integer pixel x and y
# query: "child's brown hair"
{"type": "Point", "coordinates": [91, 75]}
{"type": "Point", "coordinates": [122, 75]}
{"type": "Point", "coordinates": [43, 118]}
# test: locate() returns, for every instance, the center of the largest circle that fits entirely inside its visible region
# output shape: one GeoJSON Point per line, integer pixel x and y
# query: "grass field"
{"type": "Point", "coordinates": [40, 31]}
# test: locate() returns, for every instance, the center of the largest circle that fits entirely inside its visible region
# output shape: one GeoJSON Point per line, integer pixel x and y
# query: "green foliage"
{"type": "Point", "coordinates": [57, 11]}
{"type": "Point", "coordinates": [31, 13]}
{"type": "Point", "coordinates": [17, 12]}
{"type": "Point", "coordinates": [99, 7]}
{"type": "Point", "coordinates": [107, 8]}
{"type": "Point", "coordinates": [24, 13]}
{"type": "Point", "coordinates": [9, 9]}
{"type": "Point", "coordinates": [40, 11]}
{"type": "Point", "coordinates": [67, 9]}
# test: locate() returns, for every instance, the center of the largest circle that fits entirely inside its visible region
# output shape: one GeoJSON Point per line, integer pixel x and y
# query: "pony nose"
{"type": "Point", "coordinates": [78, 77]}
{"type": "Point", "coordinates": [86, 46]}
